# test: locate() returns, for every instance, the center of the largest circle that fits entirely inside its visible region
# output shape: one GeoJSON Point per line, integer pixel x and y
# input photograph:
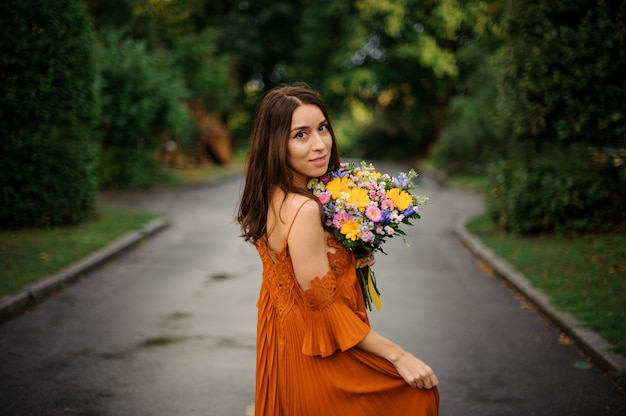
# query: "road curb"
{"type": "Point", "coordinates": [12, 305]}
{"type": "Point", "coordinates": [589, 341]}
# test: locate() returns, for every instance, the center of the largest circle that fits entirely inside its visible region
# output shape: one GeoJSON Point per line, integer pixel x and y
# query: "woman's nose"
{"type": "Point", "coordinates": [318, 141]}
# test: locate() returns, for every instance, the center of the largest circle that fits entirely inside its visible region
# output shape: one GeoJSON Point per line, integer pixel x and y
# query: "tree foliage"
{"type": "Point", "coordinates": [207, 74]}
{"type": "Point", "coordinates": [563, 94]}
{"type": "Point", "coordinates": [473, 135]}
{"type": "Point", "coordinates": [407, 68]}
{"type": "Point", "coordinates": [47, 111]}
{"type": "Point", "coordinates": [142, 97]}
{"type": "Point", "coordinates": [564, 72]}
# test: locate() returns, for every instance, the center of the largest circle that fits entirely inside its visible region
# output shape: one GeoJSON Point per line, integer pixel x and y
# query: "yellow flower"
{"type": "Point", "coordinates": [338, 185]}
{"type": "Point", "coordinates": [359, 197]}
{"type": "Point", "coordinates": [401, 198]}
{"type": "Point", "coordinates": [352, 230]}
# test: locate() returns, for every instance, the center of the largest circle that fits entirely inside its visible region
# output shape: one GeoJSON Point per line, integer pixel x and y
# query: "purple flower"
{"type": "Point", "coordinates": [401, 181]}
{"type": "Point", "coordinates": [409, 211]}
{"type": "Point", "coordinates": [385, 217]}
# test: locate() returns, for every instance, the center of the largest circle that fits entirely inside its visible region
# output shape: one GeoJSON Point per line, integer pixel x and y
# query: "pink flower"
{"type": "Point", "coordinates": [324, 197]}
{"type": "Point", "coordinates": [368, 236]}
{"type": "Point", "coordinates": [373, 213]}
{"type": "Point", "coordinates": [340, 219]}
{"type": "Point", "coordinates": [387, 204]}
{"type": "Point", "coordinates": [325, 179]}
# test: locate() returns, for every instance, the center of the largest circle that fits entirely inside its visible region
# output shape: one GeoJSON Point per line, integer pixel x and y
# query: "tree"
{"type": "Point", "coordinates": [563, 93]}
{"type": "Point", "coordinates": [473, 136]}
{"type": "Point", "coordinates": [564, 75]}
{"type": "Point", "coordinates": [142, 97]}
{"type": "Point", "coordinates": [47, 110]}
{"type": "Point", "coordinates": [405, 67]}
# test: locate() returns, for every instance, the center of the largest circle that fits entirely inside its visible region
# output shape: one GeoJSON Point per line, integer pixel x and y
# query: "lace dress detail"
{"type": "Point", "coordinates": [278, 280]}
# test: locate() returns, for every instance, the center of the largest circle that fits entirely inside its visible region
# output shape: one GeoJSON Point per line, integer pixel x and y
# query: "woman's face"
{"type": "Point", "coordinates": [309, 144]}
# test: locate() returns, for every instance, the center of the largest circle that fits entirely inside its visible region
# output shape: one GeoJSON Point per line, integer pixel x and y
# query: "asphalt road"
{"type": "Point", "coordinates": [168, 328]}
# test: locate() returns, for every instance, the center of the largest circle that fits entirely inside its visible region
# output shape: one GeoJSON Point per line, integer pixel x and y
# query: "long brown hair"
{"type": "Point", "coordinates": [267, 167]}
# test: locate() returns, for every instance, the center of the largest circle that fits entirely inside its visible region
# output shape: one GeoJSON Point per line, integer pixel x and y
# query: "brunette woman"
{"type": "Point", "coordinates": [316, 352]}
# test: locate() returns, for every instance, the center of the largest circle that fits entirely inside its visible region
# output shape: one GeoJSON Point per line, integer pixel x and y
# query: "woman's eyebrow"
{"type": "Point", "coordinates": [308, 127]}
{"type": "Point", "coordinates": [299, 128]}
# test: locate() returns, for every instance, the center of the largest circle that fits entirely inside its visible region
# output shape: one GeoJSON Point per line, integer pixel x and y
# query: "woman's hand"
{"type": "Point", "coordinates": [366, 261]}
{"type": "Point", "coordinates": [415, 372]}
{"type": "Point", "coordinates": [411, 369]}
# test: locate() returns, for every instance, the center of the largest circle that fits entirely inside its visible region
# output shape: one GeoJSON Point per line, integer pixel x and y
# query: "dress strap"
{"type": "Point", "coordinates": [294, 219]}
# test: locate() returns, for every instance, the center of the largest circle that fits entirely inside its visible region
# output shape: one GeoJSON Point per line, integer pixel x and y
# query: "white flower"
{"type": "Point", "coordinates": [396, 217]}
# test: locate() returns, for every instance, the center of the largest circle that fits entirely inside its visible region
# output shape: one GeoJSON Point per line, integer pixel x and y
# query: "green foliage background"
{"type": "Point", "coordinates": [47, 113]}
{"type": "Point", "coordinates": [562, 95]}
{"type": "Point", "coordinates": [141, 97]}
{"type": "Point", "coordinates": [465, 84]}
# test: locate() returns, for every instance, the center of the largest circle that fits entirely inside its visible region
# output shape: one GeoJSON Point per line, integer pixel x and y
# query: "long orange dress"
{"type": "Point", "coordinates": [307, 362]}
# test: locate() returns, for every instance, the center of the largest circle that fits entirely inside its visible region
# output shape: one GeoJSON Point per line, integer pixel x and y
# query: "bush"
{"type": "Point", "coordinates": [546, 195]}
{"type": "Point", "coordinates": [562, 90]}
{"type": "Point", "coordinates": [563, 76]}
{"type": "Point", "coordinates": [47, 110]}
{"type": "Point", "coordinates": [142, 98]}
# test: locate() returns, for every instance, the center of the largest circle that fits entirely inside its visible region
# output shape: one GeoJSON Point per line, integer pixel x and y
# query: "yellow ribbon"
{"type": "Point", "coordinates": [370, 287]}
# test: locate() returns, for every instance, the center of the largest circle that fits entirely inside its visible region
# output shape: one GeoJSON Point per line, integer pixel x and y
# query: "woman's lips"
{"type": "Point", "coordinates": [320, 161]}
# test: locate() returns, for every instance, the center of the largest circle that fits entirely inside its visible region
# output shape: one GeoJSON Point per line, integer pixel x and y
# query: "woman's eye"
{"type": "Point", "coordinates": [323, 127]}
{"type": "Point", "coordinates": [300, 135]}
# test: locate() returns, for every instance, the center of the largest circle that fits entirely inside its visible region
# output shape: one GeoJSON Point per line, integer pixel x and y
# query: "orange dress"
{"type": "Point", "coordinates": [307, 362]}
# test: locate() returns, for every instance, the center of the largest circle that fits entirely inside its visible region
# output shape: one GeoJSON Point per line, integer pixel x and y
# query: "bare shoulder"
{"type": "Point", "coordinates": [302, 209]}
{"type": "Point", "coordinates": [291, 215]}
{"type": "Point", "coordinates": [306, 229]}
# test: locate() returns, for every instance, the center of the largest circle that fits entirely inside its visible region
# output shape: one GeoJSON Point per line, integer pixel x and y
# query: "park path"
{"type": "Point", "coordinates": [168, 328]}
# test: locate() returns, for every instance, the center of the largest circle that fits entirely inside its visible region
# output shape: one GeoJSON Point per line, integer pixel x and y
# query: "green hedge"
{"type": "Point", "coordinates": [546, 195]}
{"type": "Point", "coordinates": [47, 110]}
{"type": "Point", "coordinates": [562, 94]}
{"type": "Point", "coordinates": [563, 76]}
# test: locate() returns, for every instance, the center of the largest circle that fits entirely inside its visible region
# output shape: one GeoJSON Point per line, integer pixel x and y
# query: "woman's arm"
{"type": "Point", "coordinates": [307, 249]}
{"type": "Point", "coordinates": [307, 245]}
{"type": "Point", "coordinates": [413, 370]}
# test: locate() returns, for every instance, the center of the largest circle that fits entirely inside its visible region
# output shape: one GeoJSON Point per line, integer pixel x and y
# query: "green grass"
{"type": "Point", "coordinates": [29, 255]}
{"type": "Point", "coordinates": [584, 275]}
{"type": "Point", "coordinates": [201, 174]}
{"type": "Point", "coordinates": [467, 180]}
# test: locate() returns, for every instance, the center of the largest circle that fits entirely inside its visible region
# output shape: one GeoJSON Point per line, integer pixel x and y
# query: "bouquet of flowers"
{"type": "Point", "coordinates": [363, 208]}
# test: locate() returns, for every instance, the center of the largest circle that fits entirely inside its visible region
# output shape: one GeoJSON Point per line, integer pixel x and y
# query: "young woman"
{"type": "Point", "coordinates": [316, 352]}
